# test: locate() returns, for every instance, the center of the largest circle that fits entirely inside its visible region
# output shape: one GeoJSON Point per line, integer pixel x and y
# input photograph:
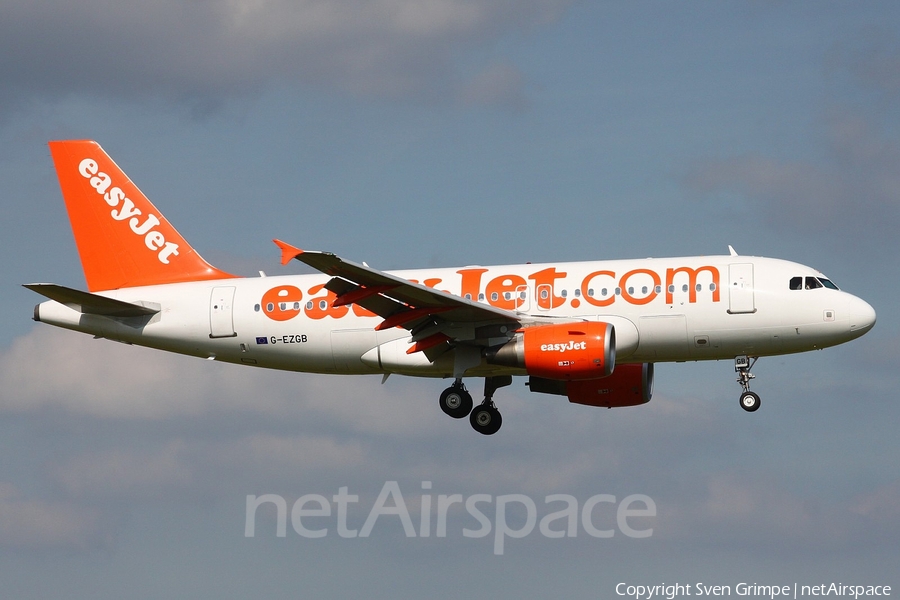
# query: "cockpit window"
{"type": "Point", "coordinates": [812, 283]}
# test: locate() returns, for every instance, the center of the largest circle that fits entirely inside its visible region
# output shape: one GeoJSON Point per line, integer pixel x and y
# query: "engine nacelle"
{"type": "Point", "coordinates": [629, 385]}
{"type": "Point", "coordinates": [564, 351]}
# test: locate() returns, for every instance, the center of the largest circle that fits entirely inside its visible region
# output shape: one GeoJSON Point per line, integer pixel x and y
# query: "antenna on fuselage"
{"type": "Point", "coordinates": [732, 251]}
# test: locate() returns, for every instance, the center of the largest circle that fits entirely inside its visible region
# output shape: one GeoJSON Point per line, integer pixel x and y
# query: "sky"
{"type": "Point", "coordinates": [439, 133]}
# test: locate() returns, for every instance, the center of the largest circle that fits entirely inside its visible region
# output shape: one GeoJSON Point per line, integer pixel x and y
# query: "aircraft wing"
{"type": "Point", "coordinates": [433, 317]}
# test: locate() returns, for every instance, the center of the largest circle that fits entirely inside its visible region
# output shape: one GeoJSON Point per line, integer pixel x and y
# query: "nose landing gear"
{"type": "Point", "coordinates": [742, 365]}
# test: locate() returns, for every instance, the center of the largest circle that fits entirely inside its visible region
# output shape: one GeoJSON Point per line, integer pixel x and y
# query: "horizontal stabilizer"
{"type": "Point", "coordinates": [91, 304]}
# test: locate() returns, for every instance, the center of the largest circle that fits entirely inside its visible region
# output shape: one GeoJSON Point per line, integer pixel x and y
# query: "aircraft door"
{"type": "Point", "coordinates": [740, 289]}
{"type": "Point", "coordinates": [221, 320]}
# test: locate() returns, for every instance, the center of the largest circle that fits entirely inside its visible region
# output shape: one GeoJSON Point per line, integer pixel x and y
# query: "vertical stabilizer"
{"type": "Point", "coordinates": [122, 239]}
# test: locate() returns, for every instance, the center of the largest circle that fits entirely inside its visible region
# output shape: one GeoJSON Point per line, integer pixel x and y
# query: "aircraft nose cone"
{"type": "Point", "coordinates": [862, 316]}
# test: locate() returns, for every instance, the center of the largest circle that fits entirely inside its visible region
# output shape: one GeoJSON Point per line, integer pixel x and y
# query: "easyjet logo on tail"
{"type": "Point", "coordinates": [124, 209]}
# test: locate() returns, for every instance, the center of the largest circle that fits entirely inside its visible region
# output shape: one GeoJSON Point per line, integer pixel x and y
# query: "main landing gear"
{"type": "Point", "coordinates": [742, 365]}
{"type": "Point", "coordinates": [485, 418]}
{"type": "Point", "coordinates": [456, 401]}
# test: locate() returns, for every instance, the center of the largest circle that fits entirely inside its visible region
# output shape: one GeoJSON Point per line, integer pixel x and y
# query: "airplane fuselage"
{"type": "Point", "coordinates": [671, 309]}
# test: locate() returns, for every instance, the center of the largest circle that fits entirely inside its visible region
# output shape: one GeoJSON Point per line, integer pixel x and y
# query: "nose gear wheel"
{"type": "Point", "coordinates": [742, 365]}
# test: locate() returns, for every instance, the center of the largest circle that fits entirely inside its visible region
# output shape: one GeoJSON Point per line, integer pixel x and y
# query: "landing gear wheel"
{"type": "Point", "coordinates": [485, 419]}
{"type": "Point", "coordinates": [749, 401]}
{"type": "Point", "coordinates": [742, 365]}
{"type": "Point", "coordinates": [456, 402]}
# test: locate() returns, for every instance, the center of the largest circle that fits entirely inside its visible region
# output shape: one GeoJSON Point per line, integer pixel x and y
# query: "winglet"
{"type": "Point", "coordinates": [288, 252]}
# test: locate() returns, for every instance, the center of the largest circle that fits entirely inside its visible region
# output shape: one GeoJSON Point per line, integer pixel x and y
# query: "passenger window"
{"type": "Point", "coordinates": [812, 283]}
{"type": "Point", "coordinates": [796, 283]}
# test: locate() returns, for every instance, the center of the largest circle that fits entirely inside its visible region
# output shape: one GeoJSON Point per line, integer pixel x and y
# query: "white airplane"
{"type": "Point", "coordinates": [590, 331]}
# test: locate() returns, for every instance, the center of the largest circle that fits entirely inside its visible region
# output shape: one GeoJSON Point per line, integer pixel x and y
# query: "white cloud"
{"type": "Point", "coordinates": [850, 182]}
{"type": "Point", "coordinates": [498, 84]}
{"type": "Point", "coordinates": [35, 524]}
{"type": "Point", "coordinates": [53, 368]}
{"type": "Point", "coordinates": [882, 505]}
{"type": "Point", "coordinates": [208, 433]}
{"type": "Point", "coordinates": [117, 473]}
{"type": "Point", "coordinates": [872, 61]}
{"type": "Point", "coordinates": [854, 191]}
{"type": "Point", "coordinates": [207, 51]}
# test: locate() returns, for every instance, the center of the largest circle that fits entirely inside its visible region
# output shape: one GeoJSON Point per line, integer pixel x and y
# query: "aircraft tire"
{"type": "Point", "coordinates": [750, 401]}
{"type": "Point", "coordinates": [456, 402]}
{"type": "Point", "coordinates": [485, 419]}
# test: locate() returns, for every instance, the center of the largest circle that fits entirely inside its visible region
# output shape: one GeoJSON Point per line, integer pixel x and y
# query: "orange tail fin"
{"type": "Point", "coordinates": [122, 239]}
